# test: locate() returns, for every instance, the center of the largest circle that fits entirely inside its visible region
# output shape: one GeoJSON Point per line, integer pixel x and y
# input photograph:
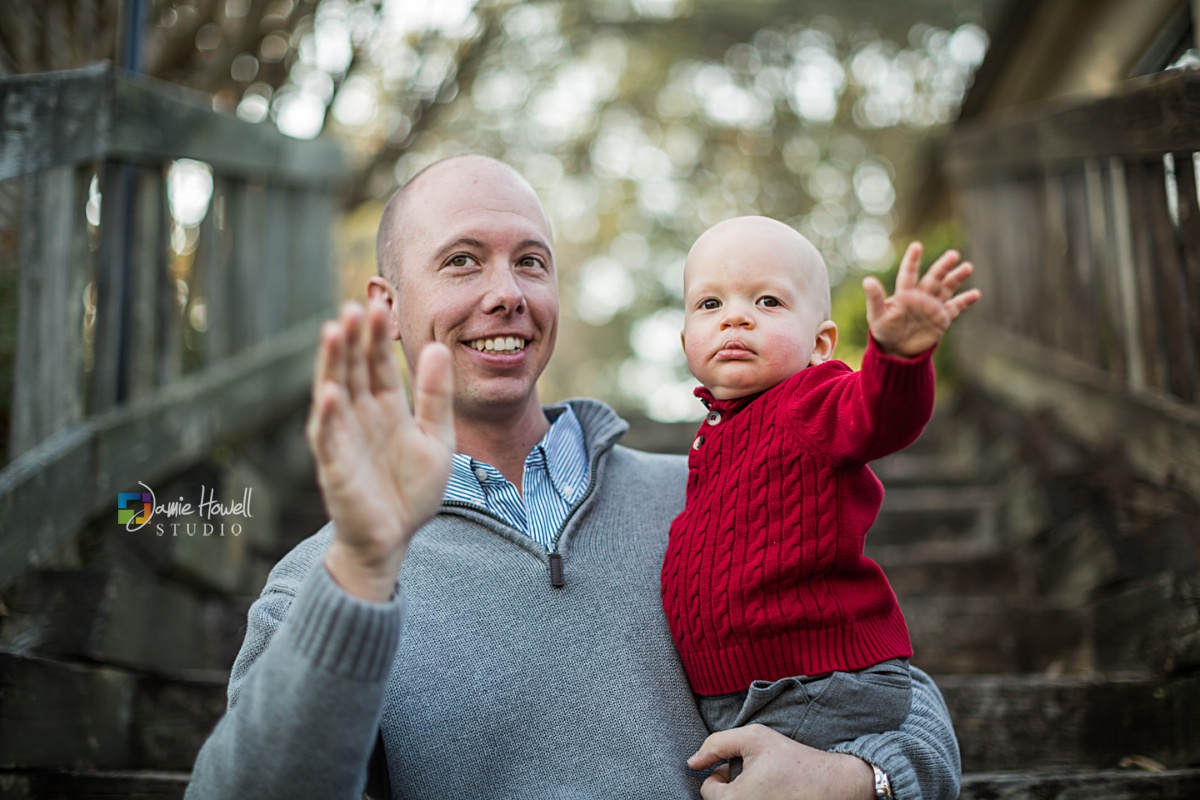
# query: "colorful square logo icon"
{"type": "Point", "coordinates": [137, 507]}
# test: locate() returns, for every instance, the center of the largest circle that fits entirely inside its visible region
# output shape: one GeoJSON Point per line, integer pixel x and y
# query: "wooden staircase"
{"type": "Point", "coordinates": [1063, 657]}
{"type": "Point", "coordinates": [1064, 634]}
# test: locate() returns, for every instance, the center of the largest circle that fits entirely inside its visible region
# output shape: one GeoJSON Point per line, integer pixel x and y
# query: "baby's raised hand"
{"type": "Point", "coordinates": [914, 318]}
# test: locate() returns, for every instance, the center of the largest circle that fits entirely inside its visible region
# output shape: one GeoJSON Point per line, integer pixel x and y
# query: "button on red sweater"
{"type": "Point", "coordinates": [764, 575]}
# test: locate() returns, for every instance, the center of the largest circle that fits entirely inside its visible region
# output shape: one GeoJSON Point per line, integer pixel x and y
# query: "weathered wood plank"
{"type": "Point", "coordinates": [58, 715]}
{"type": "Point", "coordinates": [212, 260]}
{"type": "Point", "coordinates": [1126, 285]}
{"type": "Point", "coordinates": [248, 273]}
{"type": "Point", "coordinates": [1147, 335]}
{"type": "Point", "coordinates": [1168, 280]}
{"type": "Point", "coordinates": [1144, 117]}
{"type": "Point", "coordinates": [54, 119]}
{"type": "Point", "coordinates": [59, 118]}
{"type": "Point", "coordinates": [109, 329]}
{"type": "Point", "coordinates": [1189, 232]}
{"type": "Point", "coordinates": [48, 369]}
{"type": "Point", "coordinates": [91, 462]}
{"type": "Point", "coordinates": [148, 273]}
{"type": "Point", "coordinates": [1158, 436]}
{"type": "Point", "coordinates": [156, 121]}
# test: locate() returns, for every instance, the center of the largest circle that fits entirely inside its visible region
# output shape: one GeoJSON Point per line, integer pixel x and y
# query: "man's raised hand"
{"type": "Point", "coordinates": [914, 318]}
{"type": "Point", "coordinates": [382, 469]}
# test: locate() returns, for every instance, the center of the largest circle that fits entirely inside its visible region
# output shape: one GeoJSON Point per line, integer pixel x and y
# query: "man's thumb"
{"type": "Point", "coordinates": [720, 746]}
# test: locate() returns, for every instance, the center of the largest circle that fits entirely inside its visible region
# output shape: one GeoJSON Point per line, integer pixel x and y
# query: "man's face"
{"type": "Point", "coordinates": [750, 319]}
{"type": "Point", "coordinates": [476, 272]}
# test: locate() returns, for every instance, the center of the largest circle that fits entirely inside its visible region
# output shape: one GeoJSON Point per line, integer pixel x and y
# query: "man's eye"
{"type": "Point", "coordinates": [768, 301]}
{"type": "Point", "coordinates": [710, 304]}
{"type": "Point", "coordinates": [530, 261]}
{"type": "Point", "coordinates": [460, 261]}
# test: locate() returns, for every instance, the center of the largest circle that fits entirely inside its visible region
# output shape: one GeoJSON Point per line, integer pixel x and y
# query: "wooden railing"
{"type": "Point", "coordinates": [1084, 221]}
{"type": "Point", "coordinates": [135, 355]}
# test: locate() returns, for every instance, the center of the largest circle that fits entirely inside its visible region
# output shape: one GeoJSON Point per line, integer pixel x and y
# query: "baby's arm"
{"type": "Point", "coordinates": [916, 316]}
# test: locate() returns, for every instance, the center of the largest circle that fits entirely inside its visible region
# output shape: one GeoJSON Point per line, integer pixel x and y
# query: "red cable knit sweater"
{"type": "Point", "coordinates": [764, 575]}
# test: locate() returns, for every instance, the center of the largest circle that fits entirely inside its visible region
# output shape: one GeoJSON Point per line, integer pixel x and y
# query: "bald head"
{"type": "Point", "coordinates": [394, 225]}
{"type": "Point", "coordinates": [769, 244]}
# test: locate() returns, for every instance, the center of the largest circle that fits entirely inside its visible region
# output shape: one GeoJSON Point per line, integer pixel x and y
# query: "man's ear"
{"type": "Point", "coordinates": [826, 342]}
{"type": "Point", "coordinates": [381, 291]}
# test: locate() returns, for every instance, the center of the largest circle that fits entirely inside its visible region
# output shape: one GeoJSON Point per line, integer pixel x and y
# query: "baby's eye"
{"type": "Point", "coordinates": [768, 301]}
{"type": "Point", "coordinates": [710, 304]}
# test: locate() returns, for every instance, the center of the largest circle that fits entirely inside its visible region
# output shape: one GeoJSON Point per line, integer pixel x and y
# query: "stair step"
{"type": "Point", "coordinates": [89, 785]}
{"type": "Point", "coordinates": [907, 468]}
{"type": "Point", "coordinates": [985, 635]}
{"type": "Point", "coordinates": [946, 568]}
{"type": "Point", "coordinates": [1124, 784]}
{"type": "Point", "coordinates": [921, 514]}
{"type": "Point", "coordinates": [1027, 722]}
{"type": "Point", "coordinates": [56, 715]}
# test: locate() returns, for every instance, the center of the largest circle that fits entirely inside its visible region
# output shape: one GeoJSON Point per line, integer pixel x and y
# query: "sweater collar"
{"type": "Point", "coordinates": [725, 406]}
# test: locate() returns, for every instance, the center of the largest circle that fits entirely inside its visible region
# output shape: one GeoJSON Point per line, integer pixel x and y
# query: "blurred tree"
{"type": "Point", "coordinates": [640, 122]}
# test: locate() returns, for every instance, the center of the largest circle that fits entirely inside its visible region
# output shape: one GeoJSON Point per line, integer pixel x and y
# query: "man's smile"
{"type": "Point", "coordinates": [498, 344]}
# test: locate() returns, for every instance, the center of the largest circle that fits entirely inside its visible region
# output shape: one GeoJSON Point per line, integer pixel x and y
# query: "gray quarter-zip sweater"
{"type": "Point", "coordinates": [482, 680]}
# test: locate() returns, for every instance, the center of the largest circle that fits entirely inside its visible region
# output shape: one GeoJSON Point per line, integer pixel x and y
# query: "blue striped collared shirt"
{"type": "Point", "coordinates": [555, 478]}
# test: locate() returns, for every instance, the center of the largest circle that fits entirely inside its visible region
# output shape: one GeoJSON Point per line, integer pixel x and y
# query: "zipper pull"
{"type": "Point", "coordinates": [556, 575]}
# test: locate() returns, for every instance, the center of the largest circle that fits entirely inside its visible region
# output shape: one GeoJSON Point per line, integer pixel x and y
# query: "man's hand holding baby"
{"type": "Point", "coordinates": [916, 316]}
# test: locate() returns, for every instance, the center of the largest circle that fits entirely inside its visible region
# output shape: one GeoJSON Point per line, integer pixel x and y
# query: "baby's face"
{"type": "Point", "coordinates": [756, 299]}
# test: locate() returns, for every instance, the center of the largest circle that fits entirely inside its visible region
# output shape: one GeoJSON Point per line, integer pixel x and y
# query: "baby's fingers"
{"type": "Point", "coordinates": [938, 271]}
{"type": "Point", "coordinates": [962, 302]}
{"type": "Point", "coordinates": [873, 289]}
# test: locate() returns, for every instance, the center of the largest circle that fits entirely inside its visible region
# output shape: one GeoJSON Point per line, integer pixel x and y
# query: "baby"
{"type": "Point", "coordinates": [778, 616]}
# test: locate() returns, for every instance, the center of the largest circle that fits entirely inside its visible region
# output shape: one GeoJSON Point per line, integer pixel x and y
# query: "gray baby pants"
{"type": "Point", "coordinates": [821, 710]}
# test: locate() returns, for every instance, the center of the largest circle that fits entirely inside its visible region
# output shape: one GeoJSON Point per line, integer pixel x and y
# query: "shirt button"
{"type": "Point", "coordinates": [481, 474]}
{"type": "Point", "coordinates": [699, 441]}
{"type": "Point", "coordinates": [713, 418]}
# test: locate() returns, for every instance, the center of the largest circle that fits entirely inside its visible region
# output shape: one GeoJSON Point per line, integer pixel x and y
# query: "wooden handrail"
{"type": "Point", "coordinates": [1145, 117]}
{"type": "Point", "coordinates": [57, 118]}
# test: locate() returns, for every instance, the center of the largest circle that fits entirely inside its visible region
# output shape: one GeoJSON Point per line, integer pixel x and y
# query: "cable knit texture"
{"type": "Point", "coordinates": [765, 576]}
{"type": "Point", "coordinates": [495, 684]}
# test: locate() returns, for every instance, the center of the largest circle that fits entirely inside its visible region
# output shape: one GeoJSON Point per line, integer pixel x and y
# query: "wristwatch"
{"type": "Point", "coordinates": [883, 787]}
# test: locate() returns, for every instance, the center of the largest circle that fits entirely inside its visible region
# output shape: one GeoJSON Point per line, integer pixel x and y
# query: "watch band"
{"type": "Point", "coordinates": [883, 786]}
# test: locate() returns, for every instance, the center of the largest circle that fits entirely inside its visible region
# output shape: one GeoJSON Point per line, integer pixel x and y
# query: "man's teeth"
{"type": "Point", "coordinates": [500, 344]}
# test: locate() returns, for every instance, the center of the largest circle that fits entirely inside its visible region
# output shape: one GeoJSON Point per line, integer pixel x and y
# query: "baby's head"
{"type": "Point", "coordinates": [756, 306]}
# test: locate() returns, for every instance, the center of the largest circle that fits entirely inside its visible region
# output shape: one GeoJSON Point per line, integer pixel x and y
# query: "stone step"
{"type": "Point", "coordinates": [1122, 784]}
{"type": "Point", "coordinates": [1030, 722]}
{"type": "Point", "coordinates": [984, 635]}
{"type": "Point", "coordinates": [935, 513]}
{"type": "Point", "coordinates": [947, 568]}
{"type": "Point", "coordinates": [92, 785]}
{"type": "Point", "coordinates": [56, 715]}
{"type": "Point", "coordinates": [114, 616]}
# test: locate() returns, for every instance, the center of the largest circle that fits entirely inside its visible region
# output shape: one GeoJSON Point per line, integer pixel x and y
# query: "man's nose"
{"type": "Point", "coordinates": [504, 294]}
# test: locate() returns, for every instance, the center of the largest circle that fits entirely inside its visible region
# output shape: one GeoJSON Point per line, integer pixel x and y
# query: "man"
{"type": "Point", "coordinates": [516, 647]}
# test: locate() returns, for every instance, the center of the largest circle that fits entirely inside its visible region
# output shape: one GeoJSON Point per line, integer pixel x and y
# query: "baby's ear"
{"type": "Point", "coordinates": [683, 340]}
{"type": "Point", "coordinates": [826, 342]}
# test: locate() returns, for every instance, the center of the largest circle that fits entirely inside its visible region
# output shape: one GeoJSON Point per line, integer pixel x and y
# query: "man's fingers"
{"type": "Point", "coordinates": [381, 359]}
{"type": "Point", "coordinates": [873, 289]}
{"type": "Point", "coordinates": [433, 392]}
{"type": "Point", "coordinates": [721, 746]}
{"type": "Point", "coordinates": [910, 265]}
{"type": "Point", "coordinates": [322, 424]}
{"type": "Point", "coordinates": [354, 327]}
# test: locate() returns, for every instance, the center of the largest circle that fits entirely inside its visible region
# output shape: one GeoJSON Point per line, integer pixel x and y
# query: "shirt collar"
{"type": "Point", "coordinates": [562, 452]}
